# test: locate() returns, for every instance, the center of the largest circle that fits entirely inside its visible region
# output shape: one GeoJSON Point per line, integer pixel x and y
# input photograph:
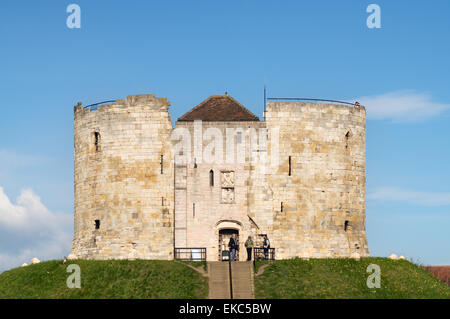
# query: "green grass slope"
{"type": "Point", "coordinates": [105, 279]}
{"type": "Point", "coordinates": [346, 278]}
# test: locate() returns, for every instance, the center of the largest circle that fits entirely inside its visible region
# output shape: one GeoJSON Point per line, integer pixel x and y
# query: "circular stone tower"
{"type": "Point", "coordinates": [312, 204]}
{"type": "Point", "coordinates": [123, 180]}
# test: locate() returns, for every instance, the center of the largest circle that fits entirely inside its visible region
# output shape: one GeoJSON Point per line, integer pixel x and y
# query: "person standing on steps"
{"type": "Point", "coordinates": [249, 246]}
{"type": "Point", "coordinates": [266, 246]}
{"type": "Point", "coordinates": [233, 246]}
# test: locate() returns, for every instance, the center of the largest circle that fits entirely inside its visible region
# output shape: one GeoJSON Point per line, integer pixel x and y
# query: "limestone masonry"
{"type": "Point", "coordinates": [143, 188]}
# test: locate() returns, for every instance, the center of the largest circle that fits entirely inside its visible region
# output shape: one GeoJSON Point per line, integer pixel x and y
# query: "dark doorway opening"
{"type": "Point", "coordinates": [224, 239]}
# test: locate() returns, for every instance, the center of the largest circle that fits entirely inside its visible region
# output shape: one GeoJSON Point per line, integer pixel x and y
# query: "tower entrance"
{"type": "Point", "coordinates": [224, 239]}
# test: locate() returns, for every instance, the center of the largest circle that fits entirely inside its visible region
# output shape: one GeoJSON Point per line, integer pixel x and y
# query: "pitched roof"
{"type": "Point", "coordinates": [219, 108]}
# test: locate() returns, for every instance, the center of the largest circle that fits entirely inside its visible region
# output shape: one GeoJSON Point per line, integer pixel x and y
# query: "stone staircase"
{"type": "Point", "coordinates": [219, 280]}
{"type": "Point", "coordinates": [241, 284]}
{"type": "Point", "coordinates": [242, 279]}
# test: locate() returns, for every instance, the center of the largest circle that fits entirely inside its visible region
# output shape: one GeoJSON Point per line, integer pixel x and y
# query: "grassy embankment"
{"type": "Point", "coordinates": [105, 279]}
{"type": "Point", "coordinates": [346, 278]}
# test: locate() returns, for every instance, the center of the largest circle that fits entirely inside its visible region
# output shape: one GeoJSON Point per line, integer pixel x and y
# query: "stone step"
{"type": "Point", "coordinates": [242, 280]}
{"type": "Point", "coordinates": [219, 280]}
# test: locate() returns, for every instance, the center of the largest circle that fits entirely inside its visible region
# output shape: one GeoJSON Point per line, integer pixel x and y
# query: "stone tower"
{"type": "Point", "coordinates": [313, 203]}
{"type": "Point", "coordinates": [133, 199]}
{"type": "Point", "coordinates": [124, 180]}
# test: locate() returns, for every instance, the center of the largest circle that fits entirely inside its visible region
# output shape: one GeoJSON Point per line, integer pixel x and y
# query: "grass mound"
{"type": "Point", "coordinates": [346, 278]}
{"type": "Point", "coordinates": [105, 279]}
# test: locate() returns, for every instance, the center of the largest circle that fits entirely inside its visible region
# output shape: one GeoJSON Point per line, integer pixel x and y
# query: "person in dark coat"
{"type": "Point", "coordinates": [266, 246]}
{"type": "Point", "coordinates": [233, 246]}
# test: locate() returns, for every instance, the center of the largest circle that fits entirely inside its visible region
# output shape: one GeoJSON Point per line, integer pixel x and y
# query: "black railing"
{"type": "Point", "coordinates": [263, 253]}
{"type": "Point", "coordinates": [308, 99]}
{"type": "Point", "coordinates": [93, 107]}
{"type": "Point", "coordinates": [194, 254]}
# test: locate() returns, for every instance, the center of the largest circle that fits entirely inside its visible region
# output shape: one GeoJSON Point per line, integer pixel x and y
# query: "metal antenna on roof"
{"type": "Point", "coordinates": [265, 97]}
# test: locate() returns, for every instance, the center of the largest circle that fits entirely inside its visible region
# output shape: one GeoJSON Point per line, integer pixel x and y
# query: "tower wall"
{"type": "Point", "coordinates": [200, 209]}
{"type": "Point", "coordinates": [119, 183]}
{"type": "Point", "coordinates": [319, 210]}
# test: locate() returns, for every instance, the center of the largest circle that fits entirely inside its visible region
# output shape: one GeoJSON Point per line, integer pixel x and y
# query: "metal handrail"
{"type": "Point", "coordinates": [95, 105]}
{"type": "Point", "coordinates": [258, 253]}
{"type": "Point", "coordinates": [309, 99]}
{"type": "Point", "coordinates": [190, 253]}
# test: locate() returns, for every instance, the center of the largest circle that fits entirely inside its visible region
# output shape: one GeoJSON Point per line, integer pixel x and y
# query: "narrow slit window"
{"type": "Point", "coordinates": [97, 141]}
{"type": "Point", "coordinates": [346, 224]}
{"type": "Point", "coordinates": [290, 166]}
{"type": "Point", "coordinates": [211, 178]}
{"type": "Point", "coordinates": [347, 136]}
{"type": "Point", "coordinates": [193, 210]}
{"type": "Point", "coordinates": [162, 164]}
{"type": "Point", "coordinates": [282, 207]}
{"type": "Point", "coordinates": [97, 224]}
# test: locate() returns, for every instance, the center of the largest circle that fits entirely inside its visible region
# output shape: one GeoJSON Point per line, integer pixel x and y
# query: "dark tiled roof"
{"type": "Point", "coordinates": [219, 108]}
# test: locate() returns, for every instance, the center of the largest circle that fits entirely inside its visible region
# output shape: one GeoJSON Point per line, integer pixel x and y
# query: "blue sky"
{"type": "Point", "coordinates": [189, 50]}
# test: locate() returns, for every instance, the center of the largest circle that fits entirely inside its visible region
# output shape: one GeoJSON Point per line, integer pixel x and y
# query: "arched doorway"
{"type": "Point", "coordinates": [224, 238]}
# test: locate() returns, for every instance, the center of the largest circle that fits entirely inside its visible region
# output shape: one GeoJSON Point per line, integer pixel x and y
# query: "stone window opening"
{"type": "Point", "coordinates": [162, 201]}
{"type": "Point", "coordinates": [239, 137]}
{"type": "Point", "coordinates": [347, 226]}
{"type": "Point", "coordinates": [195, 162]}
{"type": "Point", "coordinates": [347, 136]}
{"type": "Point", "coordinates": [97, 224]}
{"type": "Point", "coordinates": [193, 210]}
{"type": "Point", "coordinates": [211, 178]}
{"type": "Point", "coordinates": [290, 166]}
{"type": "Point", "coordinates": [282, 207]}
{"type": "Point", "coordinates": [162, 164]}
{"type": "Point", "coordinates": [97, 141]}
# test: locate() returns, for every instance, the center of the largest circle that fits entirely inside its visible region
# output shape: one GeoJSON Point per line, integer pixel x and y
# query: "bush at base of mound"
{"type": "Point", "coordinates": [105, 279]}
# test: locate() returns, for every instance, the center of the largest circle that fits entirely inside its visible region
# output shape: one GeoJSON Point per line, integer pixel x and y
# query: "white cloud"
{"type": "Point", "coordinates": [402, 106]}
{"type": "Point", "coordinates": [28, 229]}
{"type": "Point", "coordinates": [420, 198]}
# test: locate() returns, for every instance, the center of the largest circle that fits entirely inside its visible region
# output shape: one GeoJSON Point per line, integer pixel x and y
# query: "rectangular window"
{"type": "Point", "coordinates": [162, 163]}
{"type": "Point", "coordinates": [239, 137]}
{"type": "Point", "coordinates": [290, 166]}
{"type": "Point", "coordinates": [97, 224]}
{"type": "Point", "coordinates": [211, 178]}
{"type": "Point", "coordinates": [97, 141]}
{"type": "Point", "coordinates": [347, 226]}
